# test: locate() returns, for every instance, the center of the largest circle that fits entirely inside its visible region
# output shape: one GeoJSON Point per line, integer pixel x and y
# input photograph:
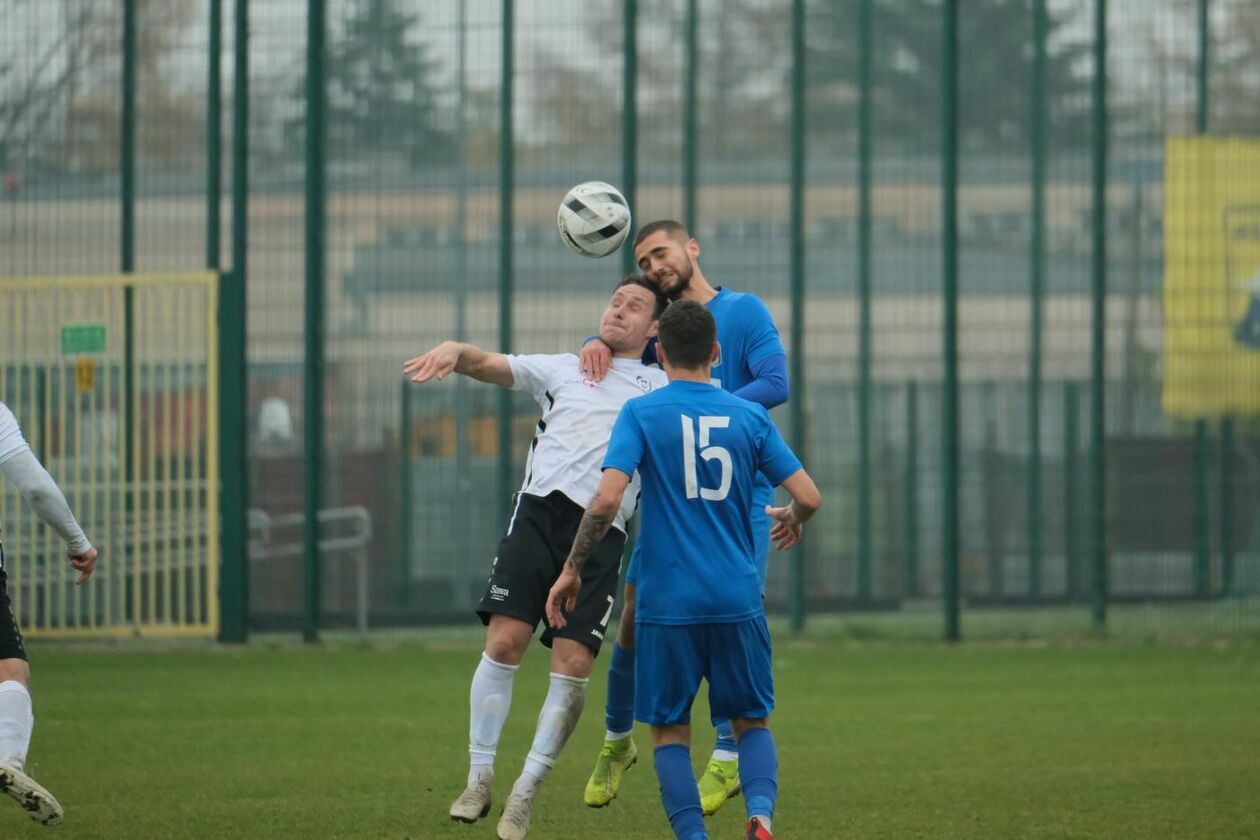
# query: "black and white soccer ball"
{"type": "Point", "coordinates": [594, 219]}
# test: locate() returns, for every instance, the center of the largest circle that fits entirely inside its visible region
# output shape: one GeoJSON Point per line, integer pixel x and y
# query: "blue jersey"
{"type": "Point", "coordinates": [699, 451]}
{"type": "Point", "coordinates": [746, 335]}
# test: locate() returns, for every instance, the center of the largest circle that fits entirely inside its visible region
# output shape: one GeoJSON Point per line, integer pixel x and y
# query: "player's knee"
{"type": "Point", "coordinates": [678, 733]}
{"type": "Point", "coordinates": [742, 725]}
{"type": "Point", "coordinates": [15, 669]}
{"type": "Point", "coordinates": [572, 659]}
{"type": "Point", "coordinates": [507, 639]}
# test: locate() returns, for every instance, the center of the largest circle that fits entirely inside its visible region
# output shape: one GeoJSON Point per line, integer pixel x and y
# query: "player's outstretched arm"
{"type": "Point", "coordinates": [467, 359]}
{"type": "Point", "coordinates": [791, 517]}
{"type": "Point", "coordinates": [598, 518]}
{"type": "Point", "coordinates": [46, 499]}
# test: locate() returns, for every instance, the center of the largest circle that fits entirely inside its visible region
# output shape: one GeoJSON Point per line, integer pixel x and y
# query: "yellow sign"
{"type": "Point", "coordinates": [84, 375]}
{"type": "Point", "coordinates": [1211, 277]}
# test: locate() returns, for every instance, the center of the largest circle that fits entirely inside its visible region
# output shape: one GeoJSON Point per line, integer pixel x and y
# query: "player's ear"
{"type": "Point", "coordinates": [660, 354]}
{"type": "Point", "coordinates": [693, 249]}
{"type": "Point", "coordinates": [713, 354]}
{"type": "Point", "coordinates": [652, 329]}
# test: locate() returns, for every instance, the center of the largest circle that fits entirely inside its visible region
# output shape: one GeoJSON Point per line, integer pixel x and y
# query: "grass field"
{"type": "Point", "coordinates": [883, 740]}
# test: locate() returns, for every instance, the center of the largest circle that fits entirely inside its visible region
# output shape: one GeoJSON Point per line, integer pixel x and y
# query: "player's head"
{"type": "Point", "coordinates": [688, 336]}
{"type": "Point", "coordinates": [629, 320]}
{"type": "Point", "coordinates": [667, 255]}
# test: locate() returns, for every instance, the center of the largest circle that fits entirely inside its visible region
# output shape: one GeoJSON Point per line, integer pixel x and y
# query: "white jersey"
{"type": "Point", "coordinates": [11, 440]}
{"type": "Point", "coordinates": [578, 416]}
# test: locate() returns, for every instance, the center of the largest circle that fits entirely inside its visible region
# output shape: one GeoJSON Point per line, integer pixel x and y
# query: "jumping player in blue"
{"type": "Point", "coordinates": [698, 451]}
{"type": "Point", "coordinates": [752, 364]}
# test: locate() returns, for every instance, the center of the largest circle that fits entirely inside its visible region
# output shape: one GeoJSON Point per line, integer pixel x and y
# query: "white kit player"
{"type": "Point", "coordinates": [21, 467]}
{"type": "Point", "coordinates": [561, 473]}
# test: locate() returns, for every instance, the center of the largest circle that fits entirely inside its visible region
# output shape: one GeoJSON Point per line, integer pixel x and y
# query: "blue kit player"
{"type": "Point", "coordinates": [750, 363]}
{"type": "Point", "coordinates": [698, 451]}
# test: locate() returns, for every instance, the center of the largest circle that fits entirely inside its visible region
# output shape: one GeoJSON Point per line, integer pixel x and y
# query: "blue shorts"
{"type": "Point", "coordinates": [671, 659]}
{"type": "Point", "coordinates": [762, 496]}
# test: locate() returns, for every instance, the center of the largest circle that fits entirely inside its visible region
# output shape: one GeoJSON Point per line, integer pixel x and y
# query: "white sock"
{"type": "Point", "coordinates": [489, 702]}
{"type": "Point", "coordinates": [556, 722]}
{"type": "Point", "coordinates": [724, 755]}
{"type": "Point", "coordinates": [16, 722]}
{"type": "Point", "coordinates": [764, 820]}
{"type": "Point", "coordinates": [609, 735]}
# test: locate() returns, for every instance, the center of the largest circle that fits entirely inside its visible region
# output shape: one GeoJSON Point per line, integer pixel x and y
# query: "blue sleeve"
{"type": "Point", "coordinates": [625, 446]}
{"type": "Point", "coordinates": [776, 460]}
{"type": "Point", "coordinates": [769, 386]}
{"type": "Point", "coordinates": [649, 353]}
{"type": "Point", "coordinates": [762, 336]}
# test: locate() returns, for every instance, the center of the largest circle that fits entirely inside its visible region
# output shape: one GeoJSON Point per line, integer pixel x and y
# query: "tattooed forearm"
{"type": "Point", "coordinates": [590, 531]}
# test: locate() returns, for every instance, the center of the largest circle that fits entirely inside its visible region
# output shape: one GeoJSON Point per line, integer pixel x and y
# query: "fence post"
{"type": "Point", "coordinates": [1203, 122]}
{"type": "Point", "coordinates": [127, 248]}
{"type": "Point", "coordinates": [910, 585]}
{"type": "Point", "coordinates": [865, 32]}
{"type": "Point", "coordinates": [1202, 494]}
{"type": "Point", "coordinates": [506, 175]}
{"type": "Point", "coordinates": [234, 497]}
{"type": "Point", "coordinates": [313, 380]}
{"type": "Point", "coordinates": [1036, 270]}
{"type": "Point", "coordinates": [797, 272]}
{"type": "Point", "coordinates": [1098, 343]}
{"type": "Point", "coordinates": [691, 116]}
{"type": "Point", "coordinates": [406, 530]}
{"type": "Point", "coordinates": [949, 247]}
{"type": "Point", "coordinates": [1071, 493]}
{"type": "Point", "coordinates": [629, 116]}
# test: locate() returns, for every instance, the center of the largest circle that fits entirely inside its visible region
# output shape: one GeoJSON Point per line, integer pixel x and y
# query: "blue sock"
{"type": "Point", "coordinates": [758, 771]}
{"type": "Point", "coordinates": [619, 710]}
{"type": "Point", "coordinates": [725, 737]}
{"type": "Point", "coordinates": [679, 794]}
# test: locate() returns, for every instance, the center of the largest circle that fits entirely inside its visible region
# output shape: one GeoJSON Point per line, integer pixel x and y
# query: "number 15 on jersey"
{"type": "Point", "coordinates": [708, 452]}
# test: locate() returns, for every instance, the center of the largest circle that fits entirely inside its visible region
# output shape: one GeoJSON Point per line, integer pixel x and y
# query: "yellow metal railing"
{"type": "Point", "coordinates": [141, 477]}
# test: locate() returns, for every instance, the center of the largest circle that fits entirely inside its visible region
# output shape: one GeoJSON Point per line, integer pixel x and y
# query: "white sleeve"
{"type": "Point", "coordinates": [11, 440]}
{"type": "Point", "coordinates": [45, 498]}
{"type": "Point", "coordinates": [537, 373]}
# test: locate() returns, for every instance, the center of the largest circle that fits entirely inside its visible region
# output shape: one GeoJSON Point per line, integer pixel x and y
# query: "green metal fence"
{"type": "Point", "coordinates": [956, 215]}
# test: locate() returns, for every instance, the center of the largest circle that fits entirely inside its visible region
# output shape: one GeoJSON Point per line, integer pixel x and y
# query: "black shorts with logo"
{"type": "Point", "coordinates": [11, 646]}
{"type": "Point", "coordinates": [531, 556]}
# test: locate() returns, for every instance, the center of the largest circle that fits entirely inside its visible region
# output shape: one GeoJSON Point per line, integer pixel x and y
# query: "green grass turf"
{"type": "Point", "coordinates": [887, 740]}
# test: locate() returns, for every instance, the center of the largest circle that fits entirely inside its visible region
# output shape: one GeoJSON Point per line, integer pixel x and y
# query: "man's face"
{"type": "Point", "coordinates": [666, 262]}
{"type": "Point", "coordinates": [629, 320]}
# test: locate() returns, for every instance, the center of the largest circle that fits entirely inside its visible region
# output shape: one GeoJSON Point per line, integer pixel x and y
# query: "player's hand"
{"type": "Point", "coordinates": [84, 563]}
{"type": "Point", "coordinates": [436, 364]}
{"type": "Point", "coordinates": [595, 359]}
{"type": "Point", "coordinates": [563, 594]}
{"type": "Point", "coordinates": [786, 531]}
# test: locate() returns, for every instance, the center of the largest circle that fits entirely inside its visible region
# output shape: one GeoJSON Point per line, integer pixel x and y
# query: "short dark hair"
{"type": "Point", "coordinates": [677, 230]}
{"type": "Point", "coordinates": [687, 332]}
{"type": "Point", "coordinates": [660, 301]}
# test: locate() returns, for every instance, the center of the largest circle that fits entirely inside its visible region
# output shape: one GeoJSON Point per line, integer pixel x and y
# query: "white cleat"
{"type": "Point", "coordinates": [31, 795]}
{"type": "Point", "coordinates": [473, 803]}
{"type": "Point", "coordinates": [514, 824]}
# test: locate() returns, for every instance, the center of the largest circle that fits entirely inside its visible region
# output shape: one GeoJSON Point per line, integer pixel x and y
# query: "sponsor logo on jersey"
{"type": "Point", "coordinates": [644, 385]}
{"type": "Point", "coordinates": [597, 633]}
{"type": "Point", "coordinates": [498, 593]}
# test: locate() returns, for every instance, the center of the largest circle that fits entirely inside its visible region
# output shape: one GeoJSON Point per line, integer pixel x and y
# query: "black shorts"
{"type": "Point", "coordinates": [531, 556]}
{"type": "Point", "coordinates": [11, 646]}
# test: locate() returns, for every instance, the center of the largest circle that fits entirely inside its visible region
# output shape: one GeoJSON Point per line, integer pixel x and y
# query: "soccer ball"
{"type": "Point", "coordinates": [594, 219]}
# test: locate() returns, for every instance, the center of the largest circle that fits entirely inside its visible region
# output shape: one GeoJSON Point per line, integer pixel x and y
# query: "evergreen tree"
{"type": "Point", "coordinates": [382, 97]}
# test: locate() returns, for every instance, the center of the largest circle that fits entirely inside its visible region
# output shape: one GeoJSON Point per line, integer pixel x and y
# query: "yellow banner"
{"type": "Point", "coordinates": [1211, 277]}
